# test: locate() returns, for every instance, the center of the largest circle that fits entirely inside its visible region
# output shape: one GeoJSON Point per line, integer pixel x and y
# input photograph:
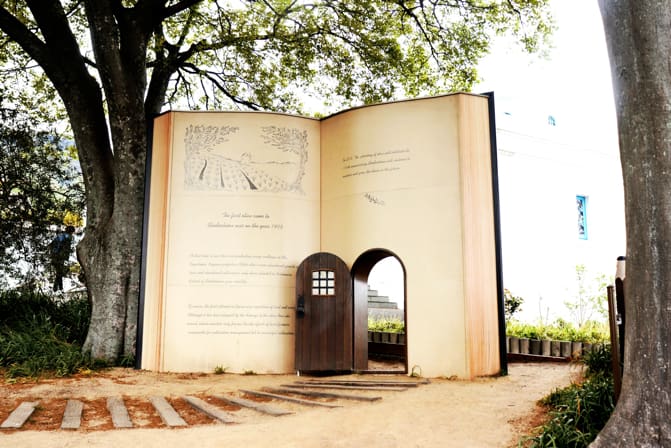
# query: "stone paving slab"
{"type": "Point", "coordinates": [263, 408]}
{"type": "Point", "coordinates": [312, 393]}
{"type": "Point", "coordinates": [119, 413]}
{"type": "Point", "coordinates": [168, 414]}
{"type": "Point", "coordinates": [290, 399]}
{"type": "Point", "coordinates": [210, 410]}
{"type": "Point", "coordinates": [19, 415]}
{"type": "Point", "coordinates": [72, 417]}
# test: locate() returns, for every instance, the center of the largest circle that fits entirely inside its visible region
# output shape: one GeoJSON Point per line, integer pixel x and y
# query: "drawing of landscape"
{"type": "Point", "coordinates": [215, 160]}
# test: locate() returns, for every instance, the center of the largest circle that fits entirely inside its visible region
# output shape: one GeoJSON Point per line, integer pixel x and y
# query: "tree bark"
{"type": "Point", "coordinates": [111, 257]}
{"type": "Point", "coordinates": [638, 34]}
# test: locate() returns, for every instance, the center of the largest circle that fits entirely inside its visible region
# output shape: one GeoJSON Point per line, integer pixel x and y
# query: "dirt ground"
{"type": "Point", "coordinates": [487, 412]}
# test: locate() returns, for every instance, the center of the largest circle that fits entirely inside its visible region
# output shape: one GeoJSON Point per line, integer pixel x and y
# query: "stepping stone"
{"type": "Point", "coordinates": [19, 415]}
{"type": "Point", "coordinates": [168, 414]}
{"type": "Point", "coordinates": [72, 417]}
{"type": "Point", "coordinates": [119, 413]}
{"type": "Point", "coordinates": [344, 387]}
{"type": "Point", "coordinates": [312, 393]}
{"type": "Point", "coordinates": [209, 410]}
{"type": "Point", "coordinates": [263, 408]}
{"type": "Point", "coordinates": [365, 383]}
{"type": "Point", "coordinates": [291, 399]}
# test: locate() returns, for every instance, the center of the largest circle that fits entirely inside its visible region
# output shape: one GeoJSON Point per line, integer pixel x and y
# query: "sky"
{"type": "Point", "coordinates": [573, 84]}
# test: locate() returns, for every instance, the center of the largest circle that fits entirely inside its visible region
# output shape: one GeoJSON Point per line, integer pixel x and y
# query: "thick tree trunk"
{"type": "Point", "coordinates": [110, 253]}
{"type": "Point", "coordinates": [110, 258]}
{"type": "Point", "coordinates": [639, 42]}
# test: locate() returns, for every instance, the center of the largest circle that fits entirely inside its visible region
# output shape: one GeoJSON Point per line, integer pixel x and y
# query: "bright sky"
{"type": "Point", "coordinates": [573, 84]}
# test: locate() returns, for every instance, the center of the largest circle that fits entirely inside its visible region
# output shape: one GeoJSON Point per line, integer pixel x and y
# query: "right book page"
{"type": "Point", "coordinates": [414, 177]}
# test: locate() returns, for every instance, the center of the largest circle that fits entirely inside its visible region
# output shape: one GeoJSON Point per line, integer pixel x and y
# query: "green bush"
{"type": "Point", "coordinates": [386, 325]}
{"type": "Point", "coordinates": [70, 315]}
{"type": "Point", "coordinates": [598, 362]}
{"type": "Point", "coordinates": [592, 332]}
{"type": "Point", "coordinates": [580, 411]}
{"type": "Point", "coordinates": [511, 304]}
{"type": "Point", "coordinates": [40, 334]}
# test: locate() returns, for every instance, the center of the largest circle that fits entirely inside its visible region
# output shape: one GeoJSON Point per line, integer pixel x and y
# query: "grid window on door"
{"type": "Point", "coordinates": [323, 283]}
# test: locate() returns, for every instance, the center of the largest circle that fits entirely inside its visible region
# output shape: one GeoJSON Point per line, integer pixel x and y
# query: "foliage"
{"type": "Point", "coordinates": [114, 65]}
{"type": "Point", "coordinates": [511, 304]}
{"type": "Point", "coordinates": [40, 189]}
{"type": "Point", "coordinates": [41, 334]}
{"type": "Point", "coordinates": [128, 360]}
{"type": "Point", "coordinates": [386, 325]}
{"type": "Point", "coordinates": [269, 55]}
{"type": "Point", "coordinates": [590, 301]}
{"type": "Point", "coordinates": [598, 361]}
{"type": "Point", "coordinates": [592, 332]}
{"type": "Point", "coordinates": [579, 411]}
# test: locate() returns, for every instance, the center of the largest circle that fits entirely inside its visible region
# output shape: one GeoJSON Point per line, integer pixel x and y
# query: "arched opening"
{"type": "Point", "coordinates": [379, 288]}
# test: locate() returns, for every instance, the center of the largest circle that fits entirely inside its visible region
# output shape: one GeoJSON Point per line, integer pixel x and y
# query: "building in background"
{"type": "Point", "coordinates": [561, 205]}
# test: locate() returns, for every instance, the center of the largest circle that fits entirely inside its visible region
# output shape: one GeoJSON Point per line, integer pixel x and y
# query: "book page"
{"type": "Point", "coordinates": [243, 211]}
{"type": "Point", "coordinates": [392, 179]}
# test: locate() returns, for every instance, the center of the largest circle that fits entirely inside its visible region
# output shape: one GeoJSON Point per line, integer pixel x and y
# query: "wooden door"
{"type": "Point", "coordinates": [323, 314]}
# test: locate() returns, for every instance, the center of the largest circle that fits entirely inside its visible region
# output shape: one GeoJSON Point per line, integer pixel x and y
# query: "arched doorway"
{"type": "Point", "coordinates": [395, 355]}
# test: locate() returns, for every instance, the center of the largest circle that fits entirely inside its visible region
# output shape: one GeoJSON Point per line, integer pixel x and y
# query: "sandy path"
{"type": "Point", "coordinates": [482, 413]}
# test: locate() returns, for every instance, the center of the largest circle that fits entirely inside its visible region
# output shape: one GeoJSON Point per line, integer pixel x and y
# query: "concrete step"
{"type": "Point", "coordinates": [385, 313]}
{"type": "Point", "coordinates": [387, 305]}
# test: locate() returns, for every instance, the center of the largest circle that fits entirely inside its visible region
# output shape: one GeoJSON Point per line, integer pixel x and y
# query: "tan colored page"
{"type": "Point", "coordinates": [392, 179]}
{"type": "Point", "coordinates": [243, 211]}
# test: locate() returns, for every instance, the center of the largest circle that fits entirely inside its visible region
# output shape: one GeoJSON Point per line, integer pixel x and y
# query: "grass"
{"type": "Point", "coordinates": [578, 412]}
{"type": "Point", "coordinates": [40, 334]}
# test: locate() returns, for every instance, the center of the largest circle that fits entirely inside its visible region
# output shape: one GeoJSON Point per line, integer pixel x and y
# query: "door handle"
{"type": "Point", "coordinates": [300, 307]}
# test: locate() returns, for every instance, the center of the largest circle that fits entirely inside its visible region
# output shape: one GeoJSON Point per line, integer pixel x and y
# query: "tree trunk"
{"type": "Point", "coordinates": [639, 43]}
{"type": "Point", "coordinates": [110, 258]}
{"type": "Point", "coordinates": [110, 253]}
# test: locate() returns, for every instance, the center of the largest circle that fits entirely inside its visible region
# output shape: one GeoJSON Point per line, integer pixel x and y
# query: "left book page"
{"type": "Point", "coordinates": [234, 208]}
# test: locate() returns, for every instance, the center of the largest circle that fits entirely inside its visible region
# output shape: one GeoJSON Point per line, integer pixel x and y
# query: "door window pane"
{"type": "Point", "coordinates": [323, 283]}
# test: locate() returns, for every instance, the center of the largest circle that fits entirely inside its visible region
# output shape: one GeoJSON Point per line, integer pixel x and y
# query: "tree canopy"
{"type": "Point", "coordinates": [269, 54]}
{"type": "Point", "coordinates": [115, 64]}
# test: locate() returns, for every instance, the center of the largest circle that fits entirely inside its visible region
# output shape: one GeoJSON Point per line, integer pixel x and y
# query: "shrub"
{"type": "Point", "coordinates": [592, 332]}
{"type": "Point", "coordinates": [71, 316]}
{"type": "Point", "coordinates": [580, 411]}
{"type": "Point", "coordinates": [598, 362]}
{"type": "Point", "coordinates": [386, 325]}
{"type": "Point", "coordinates": [511, 304]}
{"type": "Point", "coordinates": [39, 333]}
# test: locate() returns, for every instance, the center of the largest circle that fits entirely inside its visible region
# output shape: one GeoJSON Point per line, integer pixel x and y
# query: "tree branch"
{"type": "Point", "coordinates": [19, 33]}
{"type": "Point", "coordinates": [178, 7]}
